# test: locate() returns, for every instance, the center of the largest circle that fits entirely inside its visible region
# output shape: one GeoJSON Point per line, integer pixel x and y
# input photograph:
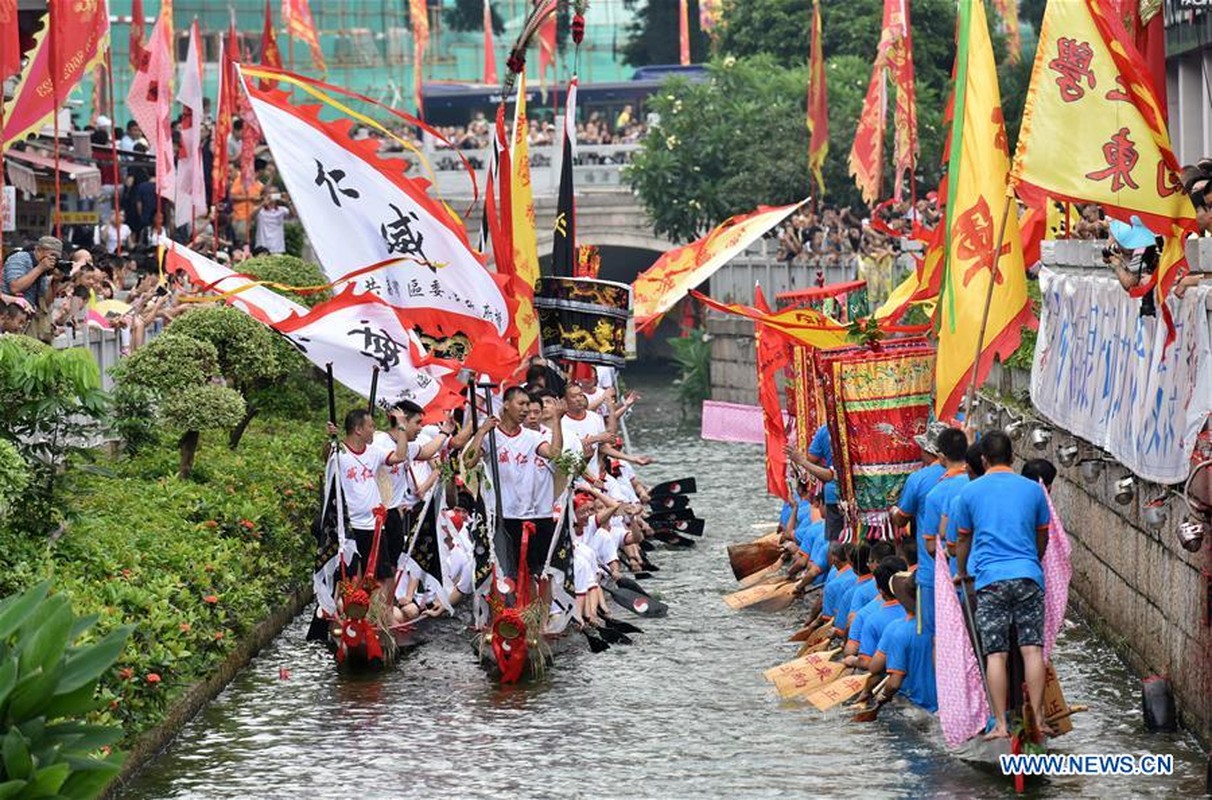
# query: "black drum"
{"type": "Point", "coordinates": [583, 319]}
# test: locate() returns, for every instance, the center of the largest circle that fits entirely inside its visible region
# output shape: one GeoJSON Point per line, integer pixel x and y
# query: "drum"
{"type": "Point", "coordinates": [583, 319]}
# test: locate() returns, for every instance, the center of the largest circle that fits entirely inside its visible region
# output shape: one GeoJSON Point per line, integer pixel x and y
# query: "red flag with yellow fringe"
{"type": "Point", "coordinates": [818, 103]}
{"type": "Point", "coordinates": [773, 356]}
{"type": "Point", "coordinates": [1089, 77]}
{"type": "Point", "coordinates": [296, 18]}
{"type": "Point", "coordinates": [984, 297]}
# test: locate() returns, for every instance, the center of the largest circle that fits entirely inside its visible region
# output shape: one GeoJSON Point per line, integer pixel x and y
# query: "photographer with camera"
{"type": "Point", "coordinates": [34, 275]}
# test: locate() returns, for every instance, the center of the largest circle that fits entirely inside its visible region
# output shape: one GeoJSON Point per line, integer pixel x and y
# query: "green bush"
{"type": "Point", "coordinates": [47, 684]}
{"type": "Point", "coordinates": [288, 270]}
{"type": "Point", "coordinates": [693, 354]}
{"type": "Point", "coordinates": [244, 346]}
{"type": "Point", "coordinates": [14, 476]}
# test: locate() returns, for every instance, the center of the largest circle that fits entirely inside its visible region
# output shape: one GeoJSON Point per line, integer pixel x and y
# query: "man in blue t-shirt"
{"type": "Point", "coordinates": [864, 589]}
{"type": "Point", "coordinates": [875, 615]}
{"type": "Point", "coordinates": [1002, 520]}
{"type": "Point", "coordinates": [905, 654]}
{"type": "Point", "coordinates": [842, 579]}
{"type": "Point", "coordinates": [819, 463]}
{"type": "Point", "coordinates": [908, 509]}
{"type": "Point", "coordinates": [953, 446]}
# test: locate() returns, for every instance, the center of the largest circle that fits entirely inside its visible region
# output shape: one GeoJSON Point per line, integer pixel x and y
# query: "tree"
{"type": "Point", "coordinates": [654, 36]}
{"type": "Point", "coordinates": [180, 374]}
{"type": "Point", "coordinates": [250, 355]}
{"type": "Point", "coordinates": [288, 271]}
{"type": "Point", "coordinates": [53, 404]}
{"type": "Point", "coordinates": [468, 15]}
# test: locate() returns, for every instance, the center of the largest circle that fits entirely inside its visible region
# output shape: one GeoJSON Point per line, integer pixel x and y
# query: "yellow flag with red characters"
{"type": "Point", "coordinates": [974, 325]}
{"type": "Point", "coordinates": [525, 243]}
{"type": "Point", "coordinates": [1093, 131]}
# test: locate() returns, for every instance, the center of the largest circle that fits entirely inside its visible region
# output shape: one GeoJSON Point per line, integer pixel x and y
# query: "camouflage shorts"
{"type": "Point", "coordinates": [999, 605]}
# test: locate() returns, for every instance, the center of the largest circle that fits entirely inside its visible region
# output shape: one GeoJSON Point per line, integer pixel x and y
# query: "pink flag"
{"type": "Point", "coordinates": [191, 184]}
{"type": "Point", "coordinates": [963, 707]}
{"type": "Point", "coordinates": [1057, 572]}
{"type": "Point", "coordinates": [150, 101]}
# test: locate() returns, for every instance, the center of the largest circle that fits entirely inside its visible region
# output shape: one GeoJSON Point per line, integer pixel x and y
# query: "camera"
{"type": "Point", "coordinates": [1111, 251]}
{"type": "Point", "coordinates": [63, 266]}
{"type": "Point", "coordinates": [161, 291]}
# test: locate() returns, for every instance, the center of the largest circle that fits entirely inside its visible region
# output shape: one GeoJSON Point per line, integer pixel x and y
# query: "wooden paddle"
{"type": "Point", "coordinates": [773, 673]}
{"type": "Point", "coordinates": [1055, 706]}
{"type": "Point", "coordinates": [770, 573]}
{"type": "Point", "coordinates": [780, 598]}
{"type": "Point", "coordinates": [814, 647]}
{"type": "Point", "coordinates": [839, 691]}
{"type": "Point", "coordinates": [750, 557]}
{"type": "Point", "coordinates": [762, 526]}
{"type": "Point", "coordinates": [759, 594]}
{"type": "Point", "coordinates": [807, 676]}
{"type": "Point", "coordinates": [809, 627]}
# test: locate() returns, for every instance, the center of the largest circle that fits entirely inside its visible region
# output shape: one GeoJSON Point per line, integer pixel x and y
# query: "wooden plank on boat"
{"type": "Point", "coordinates": [789, 667]}
{"type": "Point", "coordinates": [811, 678]}
{"type": "Point", "coordinates": [839, 691]}
{"type": "Point", "coordinates": [1056, 710]}
{"type": "Point", "coordinates": [755, 594]}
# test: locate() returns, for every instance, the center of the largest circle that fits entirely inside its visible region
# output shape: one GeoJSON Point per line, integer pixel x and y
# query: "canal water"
{"type": "Point", "coordinates": [682, 713]}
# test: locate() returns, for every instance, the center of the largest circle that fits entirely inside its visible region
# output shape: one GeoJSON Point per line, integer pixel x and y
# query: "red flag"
{"type": "Point", "coordinates": [490, 53]}
{"type": "Point", "coordinates": [10, 40]}
{"type": "Point", "coordinates": [1143, 21]}
{"type": "Point", "coordinates": [79, 33]}
{"type": "Point", "coordinates": [818, 103]}
{"type": "Point", "coordinates": [138, 53]}
{"type": "Point", "coordinates": [150, 100]}
{"type": "Point", "coordinates": [683, 34]}
{"type": "Point", "coordinates": [773, 356]}
{"type": "Point", "coordinates": [296, 18]}
{"type": "Point", "coordinates": [547, 46]}
{"type": "Point", "coordinates": [225, 111]}
{"type": "Point", "coordinates": [419, 12]}
{"type": "Point", "coordinates": [271, 56]}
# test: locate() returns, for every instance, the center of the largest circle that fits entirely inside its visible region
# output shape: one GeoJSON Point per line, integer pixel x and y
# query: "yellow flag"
{"type": "Point", "coordinates": [525, 244]}
{"type": "Point", "coordinates": [1093, 131]}
{"type": "Point", "coordinates": [978, 207]}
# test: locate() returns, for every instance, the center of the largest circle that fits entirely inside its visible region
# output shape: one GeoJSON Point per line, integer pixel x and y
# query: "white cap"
{"type": "Point", "coordinates": [104, 122]}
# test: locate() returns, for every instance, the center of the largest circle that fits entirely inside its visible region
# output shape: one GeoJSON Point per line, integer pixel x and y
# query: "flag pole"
{"type": "Point", "coordinates": [113, 140]}
{"type": "Point", "coordinates": [980, 339]}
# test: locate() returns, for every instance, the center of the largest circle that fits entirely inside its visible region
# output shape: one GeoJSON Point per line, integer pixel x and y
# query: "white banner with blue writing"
{"type": "Point", "coordinates": [1102, 372]}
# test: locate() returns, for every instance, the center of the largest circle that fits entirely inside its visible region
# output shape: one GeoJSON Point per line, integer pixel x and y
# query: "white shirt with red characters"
{"type": "Point", "coordinates": [357, 470]}
{"type": "Point", "coordinates": [576, 430]}
{"type": "Point", "coordinates": [403, 489]}
{"type": "Point", "coordinates": [544, 479]}
{"type": "Point", "coordinates": [516, 464]}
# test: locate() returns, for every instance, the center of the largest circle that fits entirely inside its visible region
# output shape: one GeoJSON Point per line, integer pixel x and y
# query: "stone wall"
{"type": "Point", "coordinates": [733, 362]}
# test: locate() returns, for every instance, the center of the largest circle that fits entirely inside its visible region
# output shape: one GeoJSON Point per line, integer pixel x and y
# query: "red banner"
{"type": "Point", "coordinates": [296, 18]}
{"type": "Point", "coordinates": [225, 111]}
{"type": "Point", "coordinates": [490, 52]}
{"type": "Point", "coordinates": [271, 56]}
{"type": "Point", "coordinates": [136, 51]}
{"type": "Point", "coordinates": [419, 12]}
{"type": "Point", "coordinates": [818, 103]}
{"type": "Point", "coordinates": [773, 356]}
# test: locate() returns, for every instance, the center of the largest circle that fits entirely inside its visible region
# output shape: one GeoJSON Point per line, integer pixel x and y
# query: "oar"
{"type": "Point", "coordinates": [683, 486]}
{"type": "Point", "coordinates": [781, 598]}
{"type": "Point", "coordinates": [620, 625]}
{"type": "Point", "coordinates": [632, 585]}
{"type": "Point", "coordinates": [596, 644]}
{"type": "Point", "coordinates": [670, 502]}
{"type": "Point", "coordinates": [770, 573]}
{"type": "Point", "coordinates": [614, 637]}
{"type": "Point", "coordinates": [647, 546]}
{"type": "Point", "coordinates": [815, 647]}
{"type": "Point", "coordinates": [750, 557]}
{"type": "Point", "coordinates": [648, 565]}
{"type": "Point", "coordinates": [689, 527]}
{"type": "Point", "coordinates": [672, 514]}
{"type": "Point", "coordinates": [869, 714]}
{"type": "Point", "coordinates": [635, 602]}
{"type": "Point", "coordinates": [641, 576]}
{"type": "Point", "coordinates": [839, 691]}
{"type": "Point", "coordinates": [759, 594]}
{"type": "Point", "coordinates": [672, 539]}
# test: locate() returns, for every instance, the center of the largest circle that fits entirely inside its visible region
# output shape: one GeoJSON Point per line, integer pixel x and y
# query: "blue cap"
{"type": "Point", "coordinates": [1132, 237]}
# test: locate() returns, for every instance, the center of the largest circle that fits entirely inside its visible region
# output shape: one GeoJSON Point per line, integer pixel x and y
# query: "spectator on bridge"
{"type": "Point", "coordinates": [32, 275]}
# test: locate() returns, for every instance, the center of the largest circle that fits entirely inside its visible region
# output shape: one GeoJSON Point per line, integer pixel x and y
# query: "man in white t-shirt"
{"type": "Point", "coordinates": [412, 478]}
{"type": "Point", "coordinates": [519, 452]}
{"type": "Point", "coordinates": [271, 224]}
{"type": "Point", "coordinates": [357, 463]}
{"type": "Point", "coordinates": [588, 432]}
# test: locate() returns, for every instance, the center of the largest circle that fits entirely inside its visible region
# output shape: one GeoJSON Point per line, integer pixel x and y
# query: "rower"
{"type": "Point", "coordinates": [1002, 520]}
{"type": "Point", "coordinates": [865, 589]}
{"type": "Point", "coordinates": [840, 555]}
{"type": "Point", "coordinates": [590, 601]}
{"type": "Point", "coordinates": [819, 463]}
{"type": "Point", "coordinates": [908, 509]}
{"type": "Point", "coordinates": [881, 611]}
{"type": "Point", "coordinates": [517, 450]}
{"type": "Point", "coordinates": [953, 449]}
{"type": "Point", "coordinates": [906, 655]}
{"type": "Point", "coordinates": [357, 464]}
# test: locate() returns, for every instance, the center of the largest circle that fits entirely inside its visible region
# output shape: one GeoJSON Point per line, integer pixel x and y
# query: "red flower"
{"type": "Point", "coordinates": [211, 598]}
{"type": "Point", "coordinates": [185, 626]}
{"type": "Point", "coordinates": [126, 673]}
{"type": "Point", "coordinates": [249, 524]}
{"type": "Point", "coordinates": [218, 636]}
{"type": "Point", "coordinates": [113, 704]}
{"type": "Point", "coordinates": [288, 492]}
{"type": "Point", "coordinates": [153, 677]}
{"type": "Point", "coordinates": [126, 573]}
{"type": "Point", "coordinates": [210, 523]}
{"type": "Point", "coordinates": [283, 674]}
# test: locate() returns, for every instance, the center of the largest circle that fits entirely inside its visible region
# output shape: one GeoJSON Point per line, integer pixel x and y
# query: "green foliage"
{"type": "Point", "coordinates": [204, 407]}
{"type": "Point", "coordinates": [192, 565]}
{"type": "Point", "coordinates": [246, 349]}
{"type": "Point", "coordinates": [468, 15]}
{"type": "Point", "coordinates": [50, 665]}
{"type": "Point", "coordinates": [1024, 356]}
{"type": "Point", "coordinates": [693, 355]}
{"type": "Point", "coordinates": [654, 35]}
{"type": "Point", "coordinates": [293, 237]}
{"type": "Point", "coordinates": [134, 417]}
{"type": "Point", "coordinates": [14, 476]}
{"type": "Point", "coordinates": [52, 404]}
{"type": "Point", "coordinates": [288, 270]}
{"type": "Point", "coordinates": [724, 147]}
{"type": "Point", "coordinates": [169, 364]}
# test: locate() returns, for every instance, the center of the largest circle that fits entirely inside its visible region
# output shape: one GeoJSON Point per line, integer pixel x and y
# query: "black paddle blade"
{"type": "Point", "coordinates": [647, 547]}
{"type": "Point", "coordinates": [649, 566]}
{"type": "Point", "coordinates": [670, 502]}
{"type": "Point", "coordinates": [637, 603]}
{"type": "Point", "coordinates": [684, 486]}
{"type": "Point", "coordinates": [632, 585]}
{"type": "Point", "coordinates": [596, 645]}
{"type": "Point", "coordinates": [671, 514]}
{"type": "Point", "coordinates": [673, 540]}
{"type": "Point", "coordinates": [641, 576]}
{"type": "Point", "coordinates": [620, 625]}
{"type": "Point", "coordinates": [684, 527]}
{"type": "Point", "coordinates": [614, 637]}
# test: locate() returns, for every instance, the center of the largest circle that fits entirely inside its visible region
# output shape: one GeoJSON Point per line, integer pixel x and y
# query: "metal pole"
{"type": "Point", "coordinates": [494, 470]}
{"type": "Point", "coordinates": [980, 339]}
